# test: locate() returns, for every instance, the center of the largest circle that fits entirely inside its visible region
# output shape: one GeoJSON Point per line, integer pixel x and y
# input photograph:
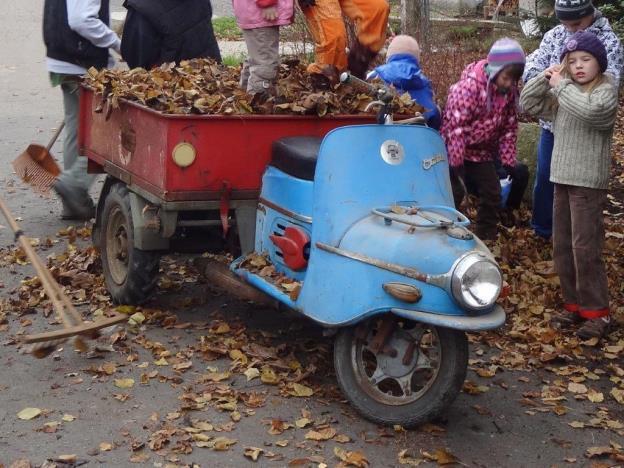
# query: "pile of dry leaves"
{"type": "Point", "coordinates": [201, 86]}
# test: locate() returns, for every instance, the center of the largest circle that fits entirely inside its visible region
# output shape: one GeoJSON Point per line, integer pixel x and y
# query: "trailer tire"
{"type": "Point", "coordinates": [131, 274]}
{"type": "Point", "coordinates": [365, 392]}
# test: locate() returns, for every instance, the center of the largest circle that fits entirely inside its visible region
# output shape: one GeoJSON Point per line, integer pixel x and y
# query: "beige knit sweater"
{"type": "Point", "coordinates": [583, 128]}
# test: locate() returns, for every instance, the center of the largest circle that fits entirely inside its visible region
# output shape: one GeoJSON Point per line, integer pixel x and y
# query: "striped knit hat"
{"type": "Point", "coordinates": [504, 52]}
{"type": "Point", "coordinates": [572, 10]}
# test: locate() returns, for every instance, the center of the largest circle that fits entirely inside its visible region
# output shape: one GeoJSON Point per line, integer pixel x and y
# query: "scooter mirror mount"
{"type": "Point", "coordinates": [383, 94]}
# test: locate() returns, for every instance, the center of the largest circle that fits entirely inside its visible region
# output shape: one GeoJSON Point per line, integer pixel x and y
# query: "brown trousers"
{"type": "Point", "coordinates": [578, 239]}
{"type": "Point", "coordinates": [482, 179]}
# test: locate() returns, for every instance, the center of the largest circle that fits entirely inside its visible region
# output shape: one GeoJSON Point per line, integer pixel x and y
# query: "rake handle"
{"type": "Point", "coordinates": [55, 136]}
{"type": "Point", "coordinates": [47, 281]}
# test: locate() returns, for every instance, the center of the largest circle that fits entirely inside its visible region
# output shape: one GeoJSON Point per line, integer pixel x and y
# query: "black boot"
{"type": "Point", "coordinates": [77, 203]}
{"type": "Point", "coordinates": [326, 79]}
{"type": "Point", "coordinates": [359, 59]}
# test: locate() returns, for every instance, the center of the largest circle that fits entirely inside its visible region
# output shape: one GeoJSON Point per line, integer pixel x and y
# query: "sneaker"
{"type": "Point", "coordinates": [77, 203]}
{"type": "Point", "coordinates": [594, 328]}
{"type": "Point", "coordinates": [567, 317]}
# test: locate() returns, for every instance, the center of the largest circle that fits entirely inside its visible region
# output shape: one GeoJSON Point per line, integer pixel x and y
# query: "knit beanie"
{"type": "Point", "coordinates": [504, 52]}
{"type": "Point", "coordinates": [588, 42]}
{"type": "Point", "coordinates": [403, 44]}
{"type": "Point", "coordinates": [570, 10]}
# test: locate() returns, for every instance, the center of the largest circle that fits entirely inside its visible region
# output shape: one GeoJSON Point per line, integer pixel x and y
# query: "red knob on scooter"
{"type": "Point", "coordinates": [292, 244]}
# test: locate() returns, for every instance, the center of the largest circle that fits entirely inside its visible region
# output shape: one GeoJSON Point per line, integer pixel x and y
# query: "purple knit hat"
{"type": "Point", "coordinates": [588, 42]}
{"type": "Point", "coordinates": [504, 52]}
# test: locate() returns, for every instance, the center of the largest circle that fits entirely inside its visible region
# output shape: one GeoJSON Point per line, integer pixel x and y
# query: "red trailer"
{"type": "Point", "coordinates": [169, 174]}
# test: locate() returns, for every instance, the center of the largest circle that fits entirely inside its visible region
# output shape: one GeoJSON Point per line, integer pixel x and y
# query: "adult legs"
{"type": "Point", "coordinates": [542, 219]}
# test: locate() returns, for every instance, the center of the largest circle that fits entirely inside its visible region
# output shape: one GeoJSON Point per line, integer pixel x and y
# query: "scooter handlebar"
{"type": "Point", "coordinates": [382, 93]}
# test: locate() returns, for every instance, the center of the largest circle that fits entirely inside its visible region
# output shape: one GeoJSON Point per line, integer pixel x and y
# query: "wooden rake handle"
{"type": "Point", "coordinates": [55, 136]}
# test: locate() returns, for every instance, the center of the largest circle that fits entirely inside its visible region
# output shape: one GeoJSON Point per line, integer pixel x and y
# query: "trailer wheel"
{"type": "Point", "coordinates": [130, 274]}
{"type": "Point", "coordinates": [416, 374]}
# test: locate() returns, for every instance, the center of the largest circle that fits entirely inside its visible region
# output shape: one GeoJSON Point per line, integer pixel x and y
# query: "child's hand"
{"type": "Point", "coordinates": [269, 14]}
{"type": "Point", "coordinates": [555, 79]}
{"type": "Point", "coordinates": [550, 70]}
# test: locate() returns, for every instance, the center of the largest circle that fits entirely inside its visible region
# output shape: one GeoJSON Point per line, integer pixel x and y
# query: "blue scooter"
{"type": "Point", "coordinates": [364, 222]}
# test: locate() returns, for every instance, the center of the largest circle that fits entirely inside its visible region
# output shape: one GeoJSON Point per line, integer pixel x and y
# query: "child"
{"type": "Point", "coordinates": [402, 70]}
{"type": "Point", "coordinates": [260, 21]}
{"type": "Point", "coordinates": [574, 15]}
{"type": "Point", "coordinates": [480, 123]}
{"type": "Point", "coordinates": [581, 101]}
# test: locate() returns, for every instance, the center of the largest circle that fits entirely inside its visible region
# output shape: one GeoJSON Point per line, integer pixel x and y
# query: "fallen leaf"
{"type": "Point", "coordinates": [124, 383]}
{"type": "Point", "coordinates": [598, 451]}
{"type": "Point", "coordinates": [253, 452]}
{"type": "Point", "coordinates": [136, 319]}
{"type": "Point", "coordinates": [354, 458]}
{"type": "Point", "coordinates": [595, 396]}
{"type": "Point", "coordinates": [618, 395]}
{"type": "Point", "coordinates": [68, 418]}
{"type": "Point", "coordinates": [299, 390]}
{"type": "Point", "coordinates": [405, 458]}
{"type": "Point", "coordinates": [29, 413]}
{"type": "Point", "coordinates": [268, 376]}
{"type": "Point", "coordinates": [106, 447]}
{"type": "Point", "coordinates": [320, 435]}
{"type": "Point", "coordinates": [222, 443]}
{"type": "Point", "coordinates": [302, 422]}
{"type": "Point", "coordinates": [251, 373]}
{"type": "Point", "coordinates": [217, 376]}
{"type": "Point", "coordinates": [577, 387]}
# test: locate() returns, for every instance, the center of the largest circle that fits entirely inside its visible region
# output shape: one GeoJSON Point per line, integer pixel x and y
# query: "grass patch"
{"type": "Point", "coordinates": [226, 28]}
{"type": "Point", "coordinates": [233, 60]}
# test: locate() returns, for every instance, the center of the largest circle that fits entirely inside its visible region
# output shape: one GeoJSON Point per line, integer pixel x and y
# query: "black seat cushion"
{"type": "Point", "coordinates": [296, 155]}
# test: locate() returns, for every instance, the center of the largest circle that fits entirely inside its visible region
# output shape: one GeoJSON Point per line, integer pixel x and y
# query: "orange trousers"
{"type": "Point", "coordinates": [330, 36]}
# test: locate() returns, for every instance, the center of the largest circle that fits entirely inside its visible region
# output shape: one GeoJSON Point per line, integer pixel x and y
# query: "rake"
{"type": "Point", "coordinates": [37, 167]}
{"type": "Point", "coordinates": [43, 344]}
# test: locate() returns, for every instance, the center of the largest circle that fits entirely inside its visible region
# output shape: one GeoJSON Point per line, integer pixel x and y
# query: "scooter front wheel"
{"type": "Point", "coordinates": [395, 371]}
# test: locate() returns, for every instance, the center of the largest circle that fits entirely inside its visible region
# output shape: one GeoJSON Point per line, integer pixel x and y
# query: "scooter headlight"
{"type": "Point", "coordinates": [476, 282]}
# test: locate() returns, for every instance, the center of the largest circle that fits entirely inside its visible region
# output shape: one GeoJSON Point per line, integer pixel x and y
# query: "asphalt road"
{"type": "Point", "coordinates": [502, 435]}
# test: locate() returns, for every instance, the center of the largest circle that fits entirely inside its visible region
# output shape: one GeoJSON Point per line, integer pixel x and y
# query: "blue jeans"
{"type": "Point", "coordinates": [543, 192]}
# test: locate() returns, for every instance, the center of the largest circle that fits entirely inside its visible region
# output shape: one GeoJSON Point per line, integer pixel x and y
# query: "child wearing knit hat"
{"type": "Point", "coordinates": [581, 101]}
{"type": "Point", "coordinates": [480, 125]}
{"type": "Point", "coordinates": [402, 70]}
{"type": "Point", "coordinates": [574, 15]}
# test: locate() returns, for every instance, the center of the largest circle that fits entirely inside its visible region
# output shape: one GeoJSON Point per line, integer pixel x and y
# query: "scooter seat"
{"type": "Point", "coordinates": [296, 156]}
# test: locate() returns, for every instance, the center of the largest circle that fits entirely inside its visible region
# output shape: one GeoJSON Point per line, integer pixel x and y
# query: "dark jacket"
{"type": "Point", "coordinates": [162, 31]}
{"type": "Point", "coordinates": [62, 43]}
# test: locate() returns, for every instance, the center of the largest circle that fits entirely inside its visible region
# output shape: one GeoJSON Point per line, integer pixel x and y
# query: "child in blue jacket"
{"type": "Point", "coordinates": [402, 70]}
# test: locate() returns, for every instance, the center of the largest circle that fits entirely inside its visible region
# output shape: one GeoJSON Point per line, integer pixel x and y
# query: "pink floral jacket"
{"type": "Point", "coordinates": [479, 122]}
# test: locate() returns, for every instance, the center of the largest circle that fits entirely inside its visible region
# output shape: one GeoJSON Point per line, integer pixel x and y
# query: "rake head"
{"type": "Point", "coordinates": [37, 167]}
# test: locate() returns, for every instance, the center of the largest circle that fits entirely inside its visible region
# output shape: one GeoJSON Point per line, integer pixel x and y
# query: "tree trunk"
{"type": "Point", "coordinates": [415, 20]}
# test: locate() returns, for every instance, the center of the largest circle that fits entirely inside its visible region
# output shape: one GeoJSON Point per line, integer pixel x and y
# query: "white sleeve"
{"type": "Point", "coordinates": [83, 19]}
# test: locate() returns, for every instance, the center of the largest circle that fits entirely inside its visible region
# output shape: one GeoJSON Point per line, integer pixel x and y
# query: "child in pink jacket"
{"type": "Point", "coordinates": [260, 21]}
{"type": "Point", "coordinates": [479, 124]}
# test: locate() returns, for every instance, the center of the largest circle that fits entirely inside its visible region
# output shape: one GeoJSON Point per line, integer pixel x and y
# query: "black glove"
{"type": "Point", "coordinates": [307, 3]}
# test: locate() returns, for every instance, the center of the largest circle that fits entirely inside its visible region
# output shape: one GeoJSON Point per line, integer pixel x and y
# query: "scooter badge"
{"type": "Point", "coordinates": [392, 152]}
